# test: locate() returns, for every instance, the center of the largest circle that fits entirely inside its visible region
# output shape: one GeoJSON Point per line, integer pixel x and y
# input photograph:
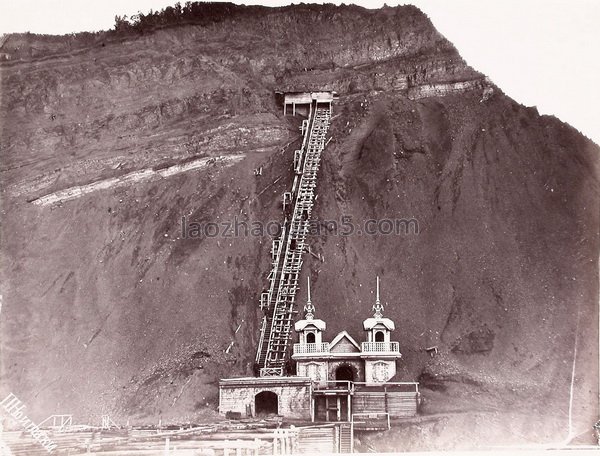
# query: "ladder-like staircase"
{"type": "Point", "coordinates": [286, 252]}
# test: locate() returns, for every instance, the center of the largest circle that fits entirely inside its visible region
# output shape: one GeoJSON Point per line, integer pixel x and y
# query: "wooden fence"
{"type": "Point", "coordinates": [329, 438]}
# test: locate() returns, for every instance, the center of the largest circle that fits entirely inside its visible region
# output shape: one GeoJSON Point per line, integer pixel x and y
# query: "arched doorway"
{"type": "Point", "coordinates": [310, 338]}
{"type": "Point", "coordinates": [266, 403]}
{"type": "Point", "coordinates": [379, 336]}
{"type": "Point", "coordinates": [345, 372]}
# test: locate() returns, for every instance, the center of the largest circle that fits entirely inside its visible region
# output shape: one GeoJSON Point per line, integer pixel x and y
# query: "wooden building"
{"type": "Point", "coordinates": [372, 362]}
{"type": "Point", "coordinates": [351, 377]}
{"type": "Point", "coordinates": [299, 102]}
{"type": "Point", "coordinates": [336, 381]}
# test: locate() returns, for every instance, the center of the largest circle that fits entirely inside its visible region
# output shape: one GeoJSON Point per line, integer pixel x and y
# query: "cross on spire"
{"type": "Point", "coordinates": [378, 307]}
{"type": "Point", "coordinates": [309, 309]}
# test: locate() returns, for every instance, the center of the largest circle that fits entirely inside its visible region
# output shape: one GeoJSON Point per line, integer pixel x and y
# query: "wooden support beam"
{"type": "Point", "coordinates": [349, 407]}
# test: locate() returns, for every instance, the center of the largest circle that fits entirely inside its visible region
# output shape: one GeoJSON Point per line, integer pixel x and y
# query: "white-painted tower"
{"type": "Point", "coordinates": [310, 349]}
{"type": "Point", "coordinates": [379, 352]}
{"type": "Point", "coordinates": [309, 329]}
{"type": "Point", "coordinates": [378, 328]}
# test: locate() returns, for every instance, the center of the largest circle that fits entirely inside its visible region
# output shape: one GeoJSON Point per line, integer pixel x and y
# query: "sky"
{"type": "Point", "coordinates": [542, 53]}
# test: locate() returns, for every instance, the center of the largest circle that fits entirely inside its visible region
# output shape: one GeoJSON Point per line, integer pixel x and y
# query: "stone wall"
{"type": "Point", "coordinates": [294, 399]}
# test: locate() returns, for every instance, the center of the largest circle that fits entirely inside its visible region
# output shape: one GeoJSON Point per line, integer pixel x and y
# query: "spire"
{"type": "Point", "coordinates": [377, 308]}
{"type": "Point", "coordinates": [309, 309]}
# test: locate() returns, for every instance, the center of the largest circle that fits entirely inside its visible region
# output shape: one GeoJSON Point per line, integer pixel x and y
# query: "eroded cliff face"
{"type": "Point", "coordinates": [108, 308]}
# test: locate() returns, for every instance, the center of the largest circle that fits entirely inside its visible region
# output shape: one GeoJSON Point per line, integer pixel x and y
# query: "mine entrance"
{"type": "Point", "coordinates": [266, 403]}
{"type": "Point", "coordinates": [344, 372]}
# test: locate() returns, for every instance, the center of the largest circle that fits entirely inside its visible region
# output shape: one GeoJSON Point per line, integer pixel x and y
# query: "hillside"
{"type": "Point", "coordinates": [108, 309]}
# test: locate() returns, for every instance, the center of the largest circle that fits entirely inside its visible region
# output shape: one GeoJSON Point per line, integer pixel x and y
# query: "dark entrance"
{"type": "Point", "coordinates": [266, 403]}
{"type": "Point", "coordinates": [331, 408]}
{"type": "Point", "coordinates": [379, 337]}
{"type": "Point", "coordinates": [344, 372]}
{"type": "Point", "coordinates": [310, 338]}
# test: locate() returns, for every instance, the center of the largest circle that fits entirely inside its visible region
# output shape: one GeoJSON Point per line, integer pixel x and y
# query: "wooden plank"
{"type": "Point", "coordinates": [316, 440]}
{"type": "Point", "coordinates": [368, 402]}
{"type": "Point", "coordinates": [401, 404]}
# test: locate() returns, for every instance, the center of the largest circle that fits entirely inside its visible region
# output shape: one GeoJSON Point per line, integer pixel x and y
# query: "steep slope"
{"type": "Point", "coordinates": [502, 276]}
{"type": "Point", "coordinates": [109, 308]}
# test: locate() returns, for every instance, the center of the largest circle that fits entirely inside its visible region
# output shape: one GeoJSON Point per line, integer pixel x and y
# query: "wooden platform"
{"type": "Point", "coordinates": [370, 421]}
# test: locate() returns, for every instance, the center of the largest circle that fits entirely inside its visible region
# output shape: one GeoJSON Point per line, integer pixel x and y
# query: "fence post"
{"type": "Point", "coordinates": [256, 446]}
{"type": "Point", "coordinates": [294, 436]}
{"type": "Point", "coordinates": [336, 438]}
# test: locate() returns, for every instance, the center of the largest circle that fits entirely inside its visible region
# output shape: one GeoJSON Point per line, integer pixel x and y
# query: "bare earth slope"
{"type": "Point", "coordinates": [108, 309]}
